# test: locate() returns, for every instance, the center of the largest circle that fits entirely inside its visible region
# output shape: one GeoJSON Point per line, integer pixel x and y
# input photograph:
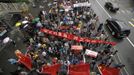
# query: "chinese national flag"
{"type": "Point", "coordinates": [52, 70]}
{"type": "Point", "coordinates": [78, 73]}
{"type": "Point", "coordinates": [79, 69]}
{"type": "Point", "coordinates": [24, 59]}
{"type": "Point", "coordinates": [104, 70]}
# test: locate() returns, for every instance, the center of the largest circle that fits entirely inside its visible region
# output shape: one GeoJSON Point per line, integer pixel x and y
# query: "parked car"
{"type": "Point", "coordinates": [119, 29]}
{"type": "Point", "coordinates": [113, 7]}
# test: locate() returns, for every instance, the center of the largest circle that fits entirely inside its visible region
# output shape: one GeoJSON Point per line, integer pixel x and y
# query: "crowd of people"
{"type": "Point", "coordinates": [49, 49]}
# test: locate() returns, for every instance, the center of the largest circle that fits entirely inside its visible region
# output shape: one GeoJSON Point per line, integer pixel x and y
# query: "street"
{"type": "Point", "coordinates": [8, 50]}
{"type": "Point", "coordinates": [125, 46]}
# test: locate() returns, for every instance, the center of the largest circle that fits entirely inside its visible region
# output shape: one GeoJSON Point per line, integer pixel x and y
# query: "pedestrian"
{"type": "Point", "coordinates": [100, 27]}
{"type": "Point", "coordinates": [93, 63]}
{"type": "Point", "coordinates": [108, 46]}
{"type": "Point", "coordinates": [113, 53]}
{"type": "Point", "coordinates": [13, 42]}
{"type": "Point", "coordinates": [119, 66]}
{"type": "Point", "coordinates": [12, 61]}
{"type": "Point", "coordinates": [105, 59]}
{"type": "Point", "coordinates": [110, 61]}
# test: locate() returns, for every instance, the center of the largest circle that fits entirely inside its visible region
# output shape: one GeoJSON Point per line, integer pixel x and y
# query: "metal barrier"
{"type": "Point", "coordinates": [14, 7]}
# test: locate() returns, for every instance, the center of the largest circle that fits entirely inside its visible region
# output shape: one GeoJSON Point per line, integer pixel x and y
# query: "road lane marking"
{"type": "Point", "coordinates": [104, 9]}
{"type": "Point", "coordinates": [128, 11]}
{"type": "Point", "coordinates": [122, 11]}
{"type": "Point", "coordinates": [130, 41]}
{"type": "Point", "coordinates": [124, 67]}
{"type": "Point", "coordinates": [126, 38]}
{"type": "Point", "coordinates": [118, 12]}
{"type": "Point", "coordinates": [131, 23]}
{"type": "Point", "coordinates": [111, 17]}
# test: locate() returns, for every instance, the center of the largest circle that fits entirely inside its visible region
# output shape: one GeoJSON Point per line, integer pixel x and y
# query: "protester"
{"type": "Point", "coordinates": [120, 66]}
{"type": "Point", "coordinates": [47, 49]}
{"type": "Point", "coordinates": [12, 61]}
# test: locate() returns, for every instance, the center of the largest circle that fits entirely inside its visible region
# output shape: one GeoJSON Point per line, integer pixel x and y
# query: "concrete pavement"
{"type": "Point", "coordinates": [8, 51]}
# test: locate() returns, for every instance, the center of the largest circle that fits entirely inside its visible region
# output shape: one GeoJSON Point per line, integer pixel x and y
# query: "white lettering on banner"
{"type": "Point", "coordinates": [91, 53]}
{"type": "Point", "coordinates": [59, 34]}
{"type": "Point", "coordinates": [93, 41]}
{"type": "Point", "coordinates": [50, 32]}
{"type": "Point", "coordinates": [55, 33]}
{"type": "Point", "coordinates": [75, 38]}
{"type": "Point", "coordinates": [65, 35]}
{"type": "Point", "coordinates": [45, 30]}
{"type": "Point", "coordinates": [81, 39]}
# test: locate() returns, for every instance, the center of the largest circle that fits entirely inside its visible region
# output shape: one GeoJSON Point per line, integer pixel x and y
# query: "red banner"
{"type": "Point", "coordinates": [78, 73]}
{"type": "Point", "coordinates": [74, 37]}
{"type": "Point", "coordinates": [104, 70]}
{"type": "Point", "coordinates": [79, 69]}
{"type": "Point", "coordinates": [23, 59]}
{"type": "Point", "coordinates": [52, 69]}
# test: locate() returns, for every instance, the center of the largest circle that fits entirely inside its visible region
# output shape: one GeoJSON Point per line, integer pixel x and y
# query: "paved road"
{"type": "Point", "coordinates": [125, 46]}
{"type": "Point", "coordinates": [40, 5]}
{"type": "Point", "coordinates": [8, 51]}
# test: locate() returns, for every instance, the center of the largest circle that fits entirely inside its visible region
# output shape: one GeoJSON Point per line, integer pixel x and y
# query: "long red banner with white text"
{"type": "Point", "coordinates": [76, 38]}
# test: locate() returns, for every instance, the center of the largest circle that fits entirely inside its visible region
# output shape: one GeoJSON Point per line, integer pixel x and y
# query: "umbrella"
{"type": "Point", "coordinates": [39, 24]}
{"type": "Point", "coordinates": [61, 10]}
{"type": "Point", "coordinates": [6, 40]}
{"type": "Point", "coordinates": [18, 24]}
{"type": "Point", "coordinates": [25, 26]}
{"type": "Point", "coordinates": [24, 22]}
{"type": "Point", "coordinates": [44, 53]}
{"type": "Point", "coordinates": [49, 4]}
{"type": "Point", "coordinates": [36, 20]}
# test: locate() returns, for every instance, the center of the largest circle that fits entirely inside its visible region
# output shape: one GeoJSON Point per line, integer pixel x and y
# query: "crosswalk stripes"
{"type": "Point", "coordinates": [128, 11]}
{"type": "Point", "coordinates": [124, 11]}
{"type": "Point", "coordinates": [131, 23]}
{"type": "Point", "coordinates": [118, 12]}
